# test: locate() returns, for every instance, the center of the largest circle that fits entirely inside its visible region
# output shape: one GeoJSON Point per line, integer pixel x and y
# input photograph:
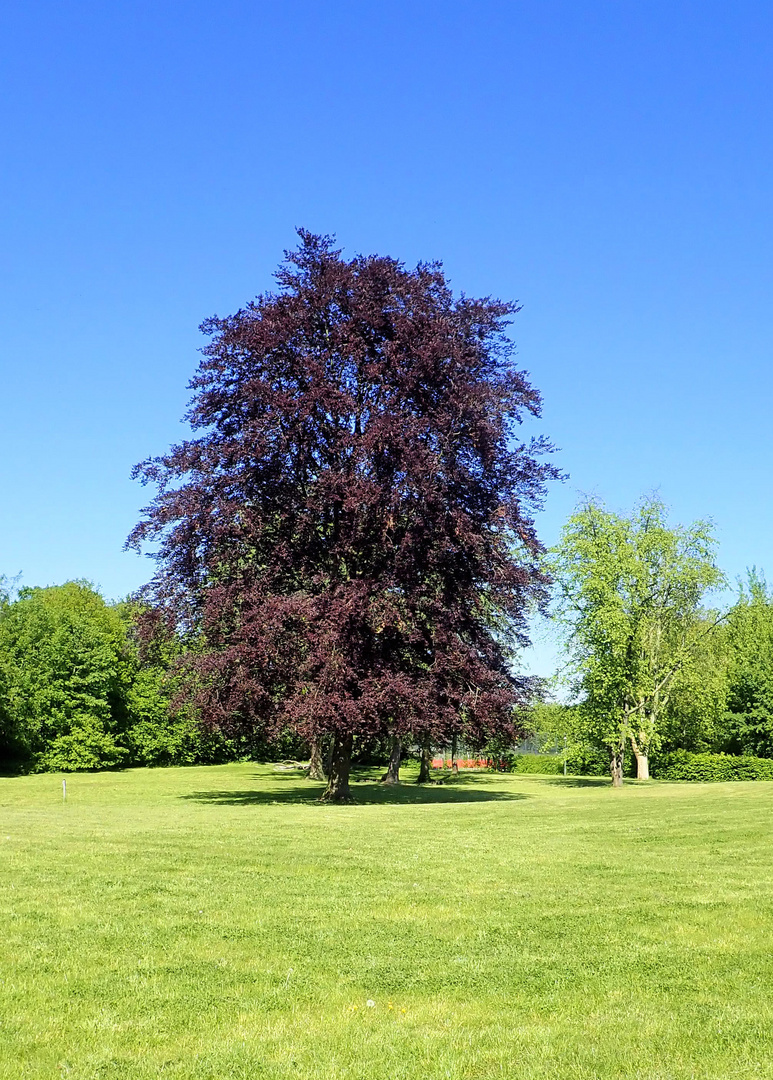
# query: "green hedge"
{"type": "Point", "coordinates": [682, 765]}
{"type": "Point", "coordinates": [547, 764]}
{"type": "Point", "coordinates": [585, 759]}
{"type": "Point", "coordinates": [679, 765]}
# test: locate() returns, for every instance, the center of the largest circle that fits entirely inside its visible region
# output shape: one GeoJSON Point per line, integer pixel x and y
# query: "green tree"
{"type": "Point", "coordinates": [78, 692]}
{"type": "Point", "coordinates": [695, 713]}
{"type": "Point", "coordinates": [65, 674]}
{"type": "Point", "coordinates": [9, 748]}
{"type": "Point", "coordinates": [159, 729]}
{"type": "Point", "coordinates": [629, 594]}
{"type": "Point", "coordinates": [749, 714]}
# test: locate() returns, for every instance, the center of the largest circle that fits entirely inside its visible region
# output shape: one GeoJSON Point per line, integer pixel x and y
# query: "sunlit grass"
{"type": "Point", "coordinates": [217, 922]}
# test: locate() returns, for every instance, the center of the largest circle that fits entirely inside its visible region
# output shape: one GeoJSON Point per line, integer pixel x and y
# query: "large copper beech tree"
{"type": "Point", "coordinates": [349, 534]}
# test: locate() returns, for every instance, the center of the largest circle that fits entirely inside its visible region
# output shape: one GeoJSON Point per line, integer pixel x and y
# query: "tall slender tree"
{"type": "Point", "coordinates": [349, 535]}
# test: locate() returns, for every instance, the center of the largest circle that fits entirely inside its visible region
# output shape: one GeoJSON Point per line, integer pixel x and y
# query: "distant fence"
{"type": "Point", "coordinates": [463, 763]}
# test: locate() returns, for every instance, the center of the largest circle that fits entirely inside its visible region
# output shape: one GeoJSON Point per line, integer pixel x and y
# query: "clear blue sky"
{"type": "Point", "coordinates": [610, 165]}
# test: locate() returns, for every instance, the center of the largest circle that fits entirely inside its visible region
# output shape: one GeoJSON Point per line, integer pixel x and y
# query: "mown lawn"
{"type": "Point", "coordinates": [217, 923]}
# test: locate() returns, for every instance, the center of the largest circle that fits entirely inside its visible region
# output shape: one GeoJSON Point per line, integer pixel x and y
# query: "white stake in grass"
{"type": "Point", "coordinates": [64, 791]}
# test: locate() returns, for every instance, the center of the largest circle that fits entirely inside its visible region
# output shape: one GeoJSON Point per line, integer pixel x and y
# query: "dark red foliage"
{"type": "Point", "coordinates": [350, 536]}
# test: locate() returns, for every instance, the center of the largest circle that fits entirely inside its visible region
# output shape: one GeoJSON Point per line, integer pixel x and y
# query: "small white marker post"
{"type": "Point", "coordinates": [64, 791]}
{"type": "Point", "coordinates": [564, 755]}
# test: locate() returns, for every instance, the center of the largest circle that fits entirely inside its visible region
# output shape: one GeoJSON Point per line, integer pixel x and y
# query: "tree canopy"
{"type": "Point", "coordinates": [348, 537]}
{"type": "Point", "coordinates": [75, 693]}
{"type": "Point", "coordinates": [749, 670]}
{"type": "Point", "coordinates": [629, 597]}
{"type": "Point", "coordinates": [64, 670]}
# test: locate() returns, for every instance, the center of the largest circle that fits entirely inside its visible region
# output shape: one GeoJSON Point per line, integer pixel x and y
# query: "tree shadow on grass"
{"type": "Point", "coordinates": [572, 781]}
{"type": "Point", "coordinates": [365, 791]}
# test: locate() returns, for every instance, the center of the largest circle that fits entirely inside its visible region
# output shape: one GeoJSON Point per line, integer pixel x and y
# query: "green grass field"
{"type": "Point", "coordinates": [216, 923]}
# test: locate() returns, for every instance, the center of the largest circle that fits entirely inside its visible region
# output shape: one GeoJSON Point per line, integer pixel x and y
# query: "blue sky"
{"type": "Point", "coordinates": [610, 165]}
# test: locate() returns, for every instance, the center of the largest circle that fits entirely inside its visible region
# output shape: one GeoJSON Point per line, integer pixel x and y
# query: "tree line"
{"type": "Point", "coordinates": [77, 692]}
{"type": "Point", "coordinates": [346, 557]}
{"type": "Point", "coordinates": [650, 667]}
{"type": "Point", "coordinates": [80, 690]}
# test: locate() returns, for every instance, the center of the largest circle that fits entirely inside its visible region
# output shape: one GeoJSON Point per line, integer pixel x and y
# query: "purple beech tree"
{"type": "Point", "coordinates": [349, 535]}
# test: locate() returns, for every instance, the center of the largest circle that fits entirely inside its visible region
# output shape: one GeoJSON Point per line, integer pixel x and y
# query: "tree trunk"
{"type": "Point", "coordinates": [329, 756]}
{"type": "Point", "coordinates": [316, 765]}
{"type": "Point", "coordinates": [337, 789]}
{"type": "Point", "coordinates": [392, 775]}
{"type": "Point", "coordinates": [426, 760]}
{"type": "Point", "coordinates": [642, 766]}
{"type": "Point", "coordinates": [454, 762]}
{"type": "Point", "coordinates": [642, 761]}
{"type": "Point", "coordinates": [616, 766]}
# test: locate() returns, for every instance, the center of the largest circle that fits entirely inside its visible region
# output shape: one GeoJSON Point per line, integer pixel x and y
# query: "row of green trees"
{"type": "Point", "coordinates": [652, 670]}
{"type": "Point", "coordinates": [650, 666]}
{"type": "Point", "coordinates": [75, 693]}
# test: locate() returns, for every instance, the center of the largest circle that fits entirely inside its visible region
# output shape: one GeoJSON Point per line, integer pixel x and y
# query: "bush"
{"type": "Point", "coordinates": [583, 759]}
{"type": "Point", "coordinates": [587, 759]}
{"type": "Point", "coordinates": [682, 765]}
{"type": "Point", "coordinates": [546, 764]}
{"type": "Point", "coordinates": [86, 746]}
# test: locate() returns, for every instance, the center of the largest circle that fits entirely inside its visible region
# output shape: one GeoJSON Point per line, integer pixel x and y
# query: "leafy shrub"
{"type": "Point", "coordinates": [546, 764]}
{"type": "Point", "coordinates": [682, 765]}
{"type": "Point", "coordinates": [86, 746]}
{"type": "Point", "coordinates": [587, 759]}
{"type": "Point", "coordinates": [173, 741]}
{"type": "Point", "coordinates": [582, 759]}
